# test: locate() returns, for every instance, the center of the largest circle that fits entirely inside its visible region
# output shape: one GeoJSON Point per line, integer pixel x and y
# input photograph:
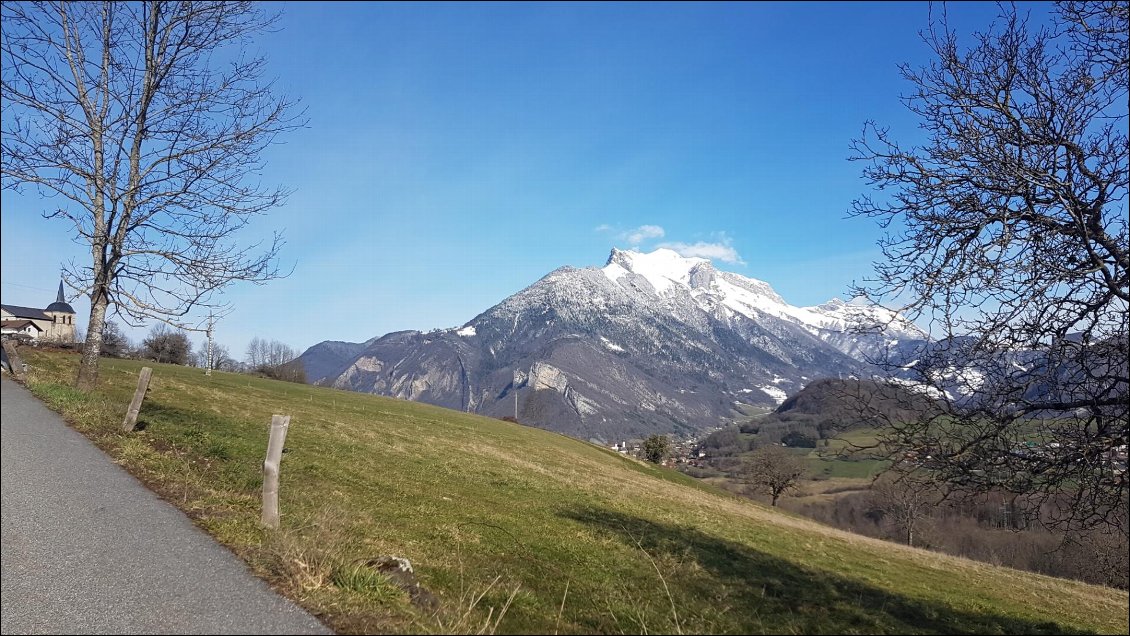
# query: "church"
{"type": "Point", "coordinates": [56, 323]}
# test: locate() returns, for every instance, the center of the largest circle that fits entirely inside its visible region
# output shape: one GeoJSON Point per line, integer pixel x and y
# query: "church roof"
{"type": "Point", "coordinates": [26, 312]}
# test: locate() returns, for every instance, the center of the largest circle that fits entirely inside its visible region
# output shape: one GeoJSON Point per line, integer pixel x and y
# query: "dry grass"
{"type": "Point", "coordinates": [519, 530]}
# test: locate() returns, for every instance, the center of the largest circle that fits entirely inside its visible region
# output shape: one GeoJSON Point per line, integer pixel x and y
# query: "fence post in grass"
{"type": "Point", "coordinates": [138, 396]}
{"type": "Point", "coordinates": [279, 425]}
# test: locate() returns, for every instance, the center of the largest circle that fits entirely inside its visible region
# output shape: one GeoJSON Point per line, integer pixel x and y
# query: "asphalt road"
{"type": "Point", "coordinates": [85, 548]}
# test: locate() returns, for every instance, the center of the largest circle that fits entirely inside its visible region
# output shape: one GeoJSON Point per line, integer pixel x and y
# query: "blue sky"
{"type": "Point", "coordinates": [456, 153]}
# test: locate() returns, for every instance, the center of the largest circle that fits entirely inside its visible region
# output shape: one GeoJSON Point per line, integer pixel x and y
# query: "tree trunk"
{"type": "Point", "coordinates": [776, 496]}
{"type": "Point", "coordinates": [88, 369]}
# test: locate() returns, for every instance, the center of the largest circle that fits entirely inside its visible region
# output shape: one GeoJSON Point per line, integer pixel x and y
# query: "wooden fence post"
{"type": "Point", "coordinates": [138, 396]}
{"type": "Point", "coordinates": [279, 425]}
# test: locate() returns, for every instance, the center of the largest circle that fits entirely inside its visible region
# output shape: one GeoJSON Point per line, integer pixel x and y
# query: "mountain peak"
{"type": "Point", "coordinates": [833, 304]}
{"type": "Point", "coordinates": [662, 267]}
{"type": "Point", "coordinates": [630, 257]}
{"type": "Point", "coordinates": [619, 257]}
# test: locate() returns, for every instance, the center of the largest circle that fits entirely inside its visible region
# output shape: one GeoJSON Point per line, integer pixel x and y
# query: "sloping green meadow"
{"type": "Point", "coordinates": [515, 529]}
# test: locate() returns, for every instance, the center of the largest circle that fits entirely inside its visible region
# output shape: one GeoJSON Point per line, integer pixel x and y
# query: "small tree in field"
{"type": "Point", "coordinates": [115, 344]}
{"type": "Point", "coordinates": [656, 448]}
{"type": "Point", "coordinates": [905, 502]}
{"type": "Point", "coordinates": [127, 116]}
{"type": "Point", "coordinates": [772, 469]}
{"type": "Point", "coordinates": [221, 358]}
{"type": "Point", "coordinates": [275, 360]}
{"type": "Point", "coordinates": [164, 344]}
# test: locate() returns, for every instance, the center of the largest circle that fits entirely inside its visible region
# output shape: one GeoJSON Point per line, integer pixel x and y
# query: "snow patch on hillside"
{"type": "Point", "coordinates": [611, 345]}
{"type": "Point", "coordinates": [778, 395]}
{"type": "Point", "coordinates": [925, 389]}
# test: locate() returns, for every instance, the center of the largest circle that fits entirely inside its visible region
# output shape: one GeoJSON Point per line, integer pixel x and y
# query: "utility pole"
{"type": "Point", "coordinates": [208, 362]}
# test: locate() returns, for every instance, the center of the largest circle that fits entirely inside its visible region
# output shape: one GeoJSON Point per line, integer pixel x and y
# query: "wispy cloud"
{"type": "Point", "coordinates": [641, 234]}
{"type": "Point", "coordinates": [720, 251]}
{"type": "Point", "coordinates": [633, 237]}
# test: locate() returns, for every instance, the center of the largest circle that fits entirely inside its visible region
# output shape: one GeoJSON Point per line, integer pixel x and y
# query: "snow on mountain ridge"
{"type": "Point", "coordinates": [666, 271]}
{"type": "Point", "coordinates": [843, 316]}
{"type": "Point", "coordinates": [662, 268]}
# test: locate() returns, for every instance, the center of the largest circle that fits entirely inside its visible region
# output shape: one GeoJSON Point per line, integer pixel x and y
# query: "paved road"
{"type": "Point", "coordinates": [85, 548]}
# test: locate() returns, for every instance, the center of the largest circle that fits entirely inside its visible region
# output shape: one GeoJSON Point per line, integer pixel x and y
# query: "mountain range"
{"type": "Point", "coordinates": [651, 342]}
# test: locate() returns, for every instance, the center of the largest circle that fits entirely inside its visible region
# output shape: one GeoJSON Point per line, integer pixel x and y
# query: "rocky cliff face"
{"type": "Point", "coordinates": [648, 343]}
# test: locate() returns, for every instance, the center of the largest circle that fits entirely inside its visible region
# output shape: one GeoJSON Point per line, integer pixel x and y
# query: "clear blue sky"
{"type": "Point", "coordinates": [456, 153]}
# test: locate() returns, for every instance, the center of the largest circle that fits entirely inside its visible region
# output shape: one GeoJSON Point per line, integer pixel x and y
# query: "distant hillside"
{"type": "Point", "coordinates": [821, 410]}
{"type": "Point", "coordinates": [512, 529]}
{"type": "Point", "coordinates": [330, 358]}
{"type": "Point", "coordinates": [852, 402]}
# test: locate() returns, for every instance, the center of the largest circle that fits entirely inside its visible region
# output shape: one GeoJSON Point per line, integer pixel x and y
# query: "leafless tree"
{"type": "Point", "coordinates": [265, 354]}
{"type": "Point", "coordinates": [279, 354]}
{"type": "Point", "coordinates": [293, 371]}
{"type": "Point", "coordinates": [144, 123]}
{"type": "Point", "coordinates": [115, 343]}
{"type": "Point", "coordinates": [165, 344]}
{"type": "Point", "coordinates": [904, 502]}
{"type": "Point", "coordinates": [772, 469]}
{"type": "Point", "coordinates": [1007, 233]}
{"type": "Point", "coordinates": [275, 359]}
{"type": "Point", "coordinates": [221, 358]}
{"type": "Point", "coordinates": [256, 353]}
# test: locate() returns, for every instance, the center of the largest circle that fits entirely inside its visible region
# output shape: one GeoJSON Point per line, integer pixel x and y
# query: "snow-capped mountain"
{"type": "Point", "coordinates": [651, 342]}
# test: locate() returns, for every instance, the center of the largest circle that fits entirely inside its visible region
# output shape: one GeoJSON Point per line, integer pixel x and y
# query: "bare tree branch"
{"type": "Point", "coordinates": [1007, 232]}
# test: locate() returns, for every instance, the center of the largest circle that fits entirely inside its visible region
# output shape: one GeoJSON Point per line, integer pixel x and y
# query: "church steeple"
{"type": "Point", "coordinates": [60, 305]}
{"type": "Point", "coordinates": [62, 315]}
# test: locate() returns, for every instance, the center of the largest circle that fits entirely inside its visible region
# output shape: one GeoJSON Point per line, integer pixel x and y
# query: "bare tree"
{"type": "Point", "coordinates": [256, 353]}
{"type": "Point", "coordinates": [1007, 232]}
{"type": "Point", "coordinates": [279, 354]}
{"type": "Point", "coordinates": [165, 344]}
{"type": "Point", "coordinates": [115, 343]}
{"type": "Point", "coordinates": [265, 354]}
{"type": "Point", "coordinates": [905, 502]}
{"type": "Point", "coordinates": [125, 115]}
{"type": "Point", "coordinates": [772, 469]}
{"type": "Point", "coordinates": [274, 359]}
{"type": "Point", "coordinates": [221, 357]}
{"type": "Point", "coordinates": [292, 371]}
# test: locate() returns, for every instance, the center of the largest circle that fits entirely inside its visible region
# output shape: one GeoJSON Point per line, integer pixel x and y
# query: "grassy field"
{"type": "Point", "coordinates": [841, 459]}
{"type": "Point", "coordinates": [518, 530]}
